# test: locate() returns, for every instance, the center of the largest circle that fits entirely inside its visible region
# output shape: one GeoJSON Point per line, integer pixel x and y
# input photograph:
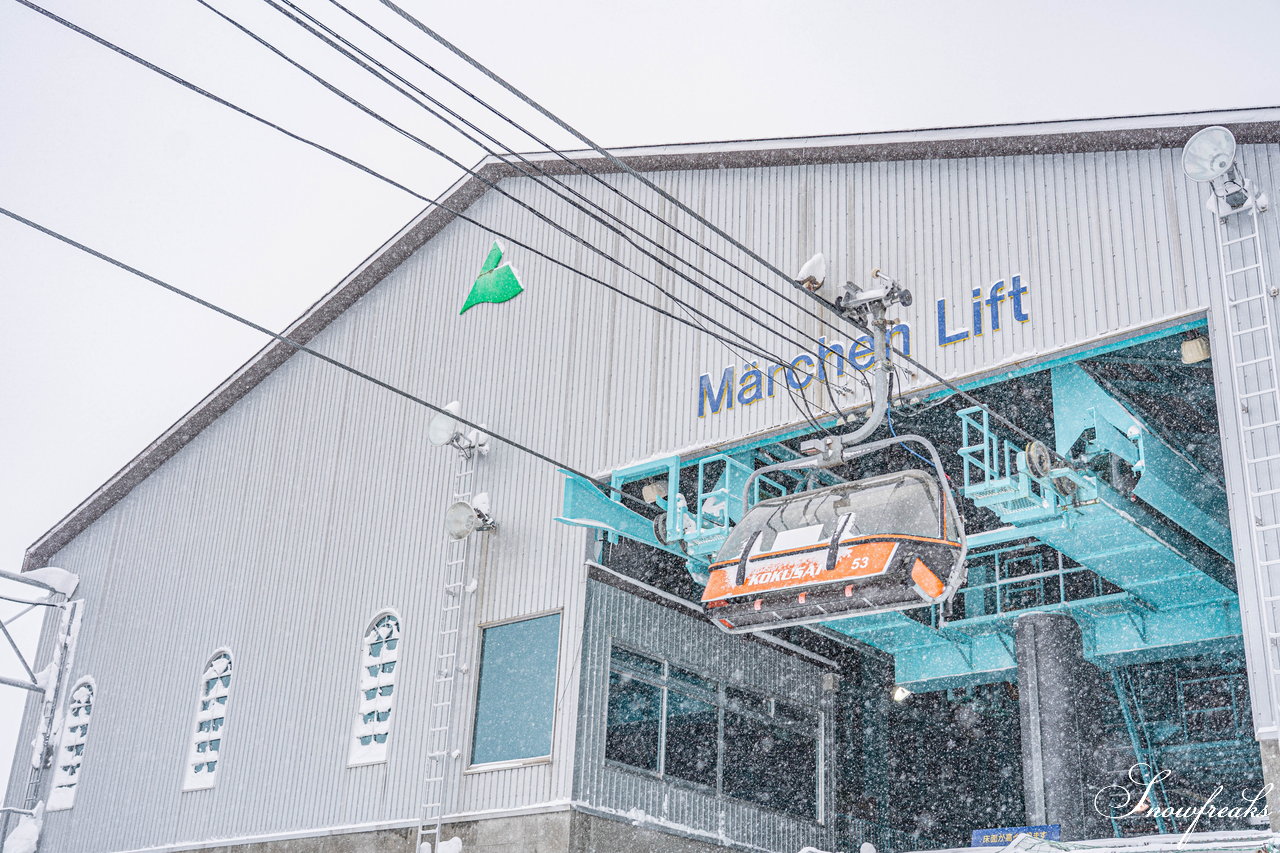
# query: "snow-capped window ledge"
{"type": "Point", "coordinates": [508, 765]}
{"type": "Point", "coordinates": [209, 729]}
{"type": "Point", "coordinates": [379, 657]}
{"type": "Point", "coordinates": [69, 758]}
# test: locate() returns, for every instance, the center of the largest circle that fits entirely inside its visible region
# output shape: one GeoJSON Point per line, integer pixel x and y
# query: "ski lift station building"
{"type": "Point", "coordinates": [276, 646]}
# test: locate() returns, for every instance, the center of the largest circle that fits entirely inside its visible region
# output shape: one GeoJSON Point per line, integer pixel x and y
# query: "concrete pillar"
{"type": "Point", "coordinates": [1055, 711]}
{"type": "Point", "coordinates": [1270, 752]}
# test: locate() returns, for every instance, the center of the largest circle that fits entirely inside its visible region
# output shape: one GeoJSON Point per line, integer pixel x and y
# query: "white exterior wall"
{"type": "Point", "coordinates": [316, 501]}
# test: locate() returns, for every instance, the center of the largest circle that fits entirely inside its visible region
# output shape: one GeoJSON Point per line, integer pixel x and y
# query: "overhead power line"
{"type": "Point", "coordinates": [355, 54]}
{"type": "Point", "coordinates": [751, 347]}
{"type": "Point", "coordinates": [534, 164]}
{"type": "Point", "coordinates": [623, 166]}
{"type": "Point", "coordinates": [299, 346]}
{"type": "Point", "coordinates": [418, 140]}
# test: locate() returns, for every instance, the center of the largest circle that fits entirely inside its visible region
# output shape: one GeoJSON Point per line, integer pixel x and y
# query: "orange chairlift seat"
{"type": "Point", "coordinates": [888, 542]}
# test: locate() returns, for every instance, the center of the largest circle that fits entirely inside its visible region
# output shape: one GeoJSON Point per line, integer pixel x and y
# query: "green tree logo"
{"type": "Point", "coordinates": [497, 281]}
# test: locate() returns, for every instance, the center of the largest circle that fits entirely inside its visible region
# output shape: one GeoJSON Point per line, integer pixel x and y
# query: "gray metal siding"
{"type": "Point", "coordinates": [614, 616]}
{"type": "Point", "coordinates": [315, 501]}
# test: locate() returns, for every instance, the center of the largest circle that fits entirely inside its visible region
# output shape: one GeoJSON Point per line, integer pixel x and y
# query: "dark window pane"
{"type": "Point", "coordinates": [630, 660]}
{"type": "Point", "coordinates": [796, 715]}
{"type": "Point", "coordinates": [691, 739]}
{"type": "Point", "coordinates": [741, 700]}
{"type": "Point", "coordinates": [684, 676]}
{"type": "Point", "coordinates": [635, 711]}
{"type": "Point", "coordinates": [770, 765]}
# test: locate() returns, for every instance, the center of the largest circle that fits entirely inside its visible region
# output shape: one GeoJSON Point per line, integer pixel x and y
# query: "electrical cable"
{"type": "Point", "coordinates": [843, 416]}
{"type": "Point", "coordinates": [803, 406]}
{"type": "Point", "coordinates": [351, 47]}
{"type": "Point", "coordinates": [362, 167]}
{"type": "Point", "coordinates": [552, 149]}
{"type": "Point", "coordinates": [888, 417]}
{"type": "Point", "coordinates": [475, 173]}
{"type": "Point", "coordinates": [622, 165]}
{"type": "Point", "coordinates": [301, 347]}
{"type": "Point", "coordinates": [788, 369]}
{"type": "Point", "coordinates": [348, 50]}
{"type": "Point", "coordinates": [752, 347]}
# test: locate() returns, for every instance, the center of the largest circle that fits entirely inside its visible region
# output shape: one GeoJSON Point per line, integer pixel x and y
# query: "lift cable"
{"type": "Point", "coordinates": [365, 60]}
{"type": "Point", "coordinates": [519, 203]}
{"type": "Point", "coordinates": [301, 347]}
{"type": "Point", "coordinates": [803, 406]}
{"type": "Point", "coordinates": [617, 162]}
{"type": "Point", "coordinates": [549, 149]}
{"type": "Point", "coordinates": [751, 346]}
{"type": "Point", "coordinates": [623, 166]}
{"type": "Point", "coordinates": [458, 164]}
{"type": "Point", "coordinates": [390, 181]}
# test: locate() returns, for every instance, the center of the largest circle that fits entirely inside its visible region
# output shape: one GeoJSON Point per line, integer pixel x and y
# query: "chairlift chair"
{"type": "Point", "coordinates": [889, 542]}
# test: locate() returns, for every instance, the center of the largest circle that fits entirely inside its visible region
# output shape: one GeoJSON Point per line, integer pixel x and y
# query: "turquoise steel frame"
{"type": "Point", "coordinates": [1134, 512]}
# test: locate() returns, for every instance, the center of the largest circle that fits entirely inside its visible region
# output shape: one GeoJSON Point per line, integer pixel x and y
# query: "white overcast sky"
{"type": "Point", "coordinates": [97, 363]}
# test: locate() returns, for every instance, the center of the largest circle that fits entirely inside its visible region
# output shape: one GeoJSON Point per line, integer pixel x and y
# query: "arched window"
{"type": "Point", "coordinates": [380, 651]}
{"type": "Point", "coordinates": [70, 755]}
{"type": "Point", "coordinates": [211, 722]}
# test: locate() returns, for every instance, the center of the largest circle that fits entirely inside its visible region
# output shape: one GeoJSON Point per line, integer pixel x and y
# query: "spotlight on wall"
{"type": "Point", "coordinates": [444, 427]}
{"type": "Point", "coordinates": [1209, 157]}
{"type": "Point", "coordinates": [462, 519]}
{"type": "Point", "coordinates": [1209, 154]}
{"type": "Point", "coordinates": [900, 693]}
{"type": "Point", "coordinates": [444, 430]}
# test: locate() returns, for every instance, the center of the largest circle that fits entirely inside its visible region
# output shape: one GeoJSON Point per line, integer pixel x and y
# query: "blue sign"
{"type": "Point", "coordinates": [1005, 835]}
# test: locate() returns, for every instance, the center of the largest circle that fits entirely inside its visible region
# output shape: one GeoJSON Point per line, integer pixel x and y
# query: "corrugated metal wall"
{"type": "Point", "coordinates": [684, 640]}
{"type": "Point", "coordinates": [316, 501]}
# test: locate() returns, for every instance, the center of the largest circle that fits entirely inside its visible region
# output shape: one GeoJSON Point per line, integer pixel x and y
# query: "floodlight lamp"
{"type": "Point", "coordinates": [444, 426]}
{"type": "Point", "coordinates": [900, 693]}
{"type": "Point", "coordinates": [462, 519]}
{"type": "Point", "coordinates": [1209, 154]}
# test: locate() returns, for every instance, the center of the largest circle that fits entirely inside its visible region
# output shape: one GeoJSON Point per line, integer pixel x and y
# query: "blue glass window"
{"type": "Point", "coordinates": [515, 707]}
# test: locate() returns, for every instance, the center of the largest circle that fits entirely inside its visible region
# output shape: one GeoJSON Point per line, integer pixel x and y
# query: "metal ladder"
{"type": "Point", "coordinates": [1252, 330]}
{"type": "Point", "coordinates": [440, 758]}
